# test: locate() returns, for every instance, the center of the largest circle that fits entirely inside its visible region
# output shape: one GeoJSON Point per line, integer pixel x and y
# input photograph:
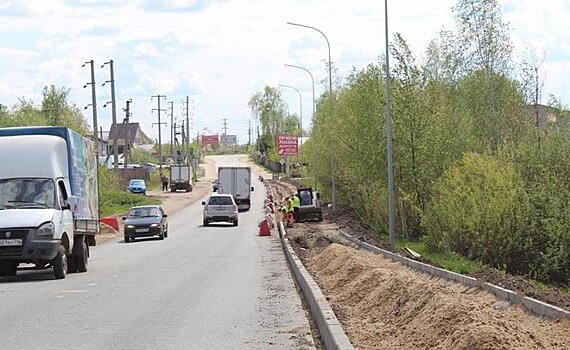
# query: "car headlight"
{"type": "Point", "coordinates": [46, 229]}
{"type": "Point", "coordinates": [130, 226]}
{"type": "Point", "coordinates": [155, 225]}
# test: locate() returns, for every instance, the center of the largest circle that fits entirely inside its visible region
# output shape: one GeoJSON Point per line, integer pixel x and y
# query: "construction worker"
{"type": "Point", "coordinates": [296, 204]}
{"type": "Point", "coordinates": [283, 210]}
{"type": "Point", "coordinates": [290, 211]}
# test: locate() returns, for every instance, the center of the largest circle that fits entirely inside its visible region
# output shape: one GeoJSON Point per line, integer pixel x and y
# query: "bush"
{"type": "Point", "coordinates": [478, 210]}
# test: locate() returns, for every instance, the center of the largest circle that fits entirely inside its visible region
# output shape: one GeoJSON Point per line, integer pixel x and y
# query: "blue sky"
{"type": "Point", "coordinates": [219, 53]}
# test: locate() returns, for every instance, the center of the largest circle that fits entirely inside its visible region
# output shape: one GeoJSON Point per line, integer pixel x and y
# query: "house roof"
{"type": "Point", "coordinates": [133, 130]}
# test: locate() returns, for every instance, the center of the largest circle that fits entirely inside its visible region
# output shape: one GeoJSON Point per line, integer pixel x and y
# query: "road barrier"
{"type": "Point", "coordinates": [110, 221]}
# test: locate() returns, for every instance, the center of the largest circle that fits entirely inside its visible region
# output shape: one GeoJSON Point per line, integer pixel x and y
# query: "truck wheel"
{"type": "Point", "coordinates": [10, 268]}
{"type": "Point", "coordinates": [59, 264]}
{"type": "Point", "coordinates": [235, 222]}
{"type": "Point", "coordinates": [206, 223]}
{"type": "Point", "coordinates": [81, 260]}
{"type": "Point", "coordinates": [71, 264]}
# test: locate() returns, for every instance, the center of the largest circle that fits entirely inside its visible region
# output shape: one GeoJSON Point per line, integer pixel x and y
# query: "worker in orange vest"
{"type": "Point", "coordinates": [290, 212]}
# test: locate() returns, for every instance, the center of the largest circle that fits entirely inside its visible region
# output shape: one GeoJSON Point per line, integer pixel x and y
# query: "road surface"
{"type": "Point", "coordinates": [217, 287]}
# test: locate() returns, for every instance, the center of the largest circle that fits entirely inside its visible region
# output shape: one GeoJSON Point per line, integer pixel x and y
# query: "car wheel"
{"type": "Point", "coordinates": [127, 239]}
{"type": "Point", "coordinates": [206, 223]}
{"type": "Point", "coordinates": [235, 222]}
{"type": "Point", "coordinates": [10, 268]}
{"type": "Point", "coordinates": [59, 264]}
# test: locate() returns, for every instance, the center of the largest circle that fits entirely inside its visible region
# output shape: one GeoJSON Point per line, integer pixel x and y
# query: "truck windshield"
{"type": "Point", "coordinates": [27, 193]}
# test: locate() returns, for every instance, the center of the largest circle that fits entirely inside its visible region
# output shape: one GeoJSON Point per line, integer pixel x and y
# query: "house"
{"type": "Point", "coordinates": [132, 133]}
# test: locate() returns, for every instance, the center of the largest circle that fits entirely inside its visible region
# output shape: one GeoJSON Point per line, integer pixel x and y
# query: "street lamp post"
{"type": "Point", "coordinates": [300, 106]}
{"type": "Point", "coordinates": [331, 95]}
{"type": "Point", "coordinates": [391, 214]}
{"type": "Point", "coordinates": [312, 120]}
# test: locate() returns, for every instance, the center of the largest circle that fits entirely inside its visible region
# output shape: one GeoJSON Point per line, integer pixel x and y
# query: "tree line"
{"type": "Point", "coordinates": [480, 166]}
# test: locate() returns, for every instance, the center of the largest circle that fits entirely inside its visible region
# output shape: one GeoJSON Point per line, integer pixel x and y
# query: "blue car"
{"type": "Point", "coordinates": [137, 186]}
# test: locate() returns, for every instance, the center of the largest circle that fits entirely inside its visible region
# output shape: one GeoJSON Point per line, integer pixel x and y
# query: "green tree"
{"type": "Point", "coordinates": [58, 111]}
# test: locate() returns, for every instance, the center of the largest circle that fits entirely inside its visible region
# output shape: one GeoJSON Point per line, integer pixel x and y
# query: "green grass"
{"type": "Point", "coordinates": [449, 261]}
{"type": "Point", "coordinates": [117, 202]}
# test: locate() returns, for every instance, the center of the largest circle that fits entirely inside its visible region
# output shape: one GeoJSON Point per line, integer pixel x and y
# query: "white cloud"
{"type": "Point", "coordinates": [221, 52]}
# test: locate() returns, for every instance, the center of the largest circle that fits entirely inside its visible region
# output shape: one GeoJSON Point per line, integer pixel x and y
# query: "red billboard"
{"type": "Point", "coordinates": [287, 145]}
{"type": "Point", "coordinates": [210, 140]}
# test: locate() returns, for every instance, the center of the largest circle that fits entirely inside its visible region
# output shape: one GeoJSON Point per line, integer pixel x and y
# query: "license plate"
{"type": "Point", "coordinates": [16, 242]}
{"type": "Point", "coordinates": [141, 230]}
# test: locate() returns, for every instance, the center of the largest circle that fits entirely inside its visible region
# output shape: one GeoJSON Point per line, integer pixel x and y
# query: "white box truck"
{"type": "Point", "coordinates": [49, 205]}
{"type": "Point", "coordinates": [180, 178]}
{"type": "Point", "coordinates": [237, 182]}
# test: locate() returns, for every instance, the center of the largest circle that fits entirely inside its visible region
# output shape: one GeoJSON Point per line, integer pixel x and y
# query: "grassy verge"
{"type": "Point", "coordinates": [115, 202]}
{"type": "Point", "coordinates": [449, 261]}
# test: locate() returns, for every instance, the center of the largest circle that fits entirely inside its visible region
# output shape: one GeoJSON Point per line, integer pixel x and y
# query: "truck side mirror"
{"type": "Point", "coordinates": [251, 188]}
{"type": "Point", "coordinates": [71, 203]}
{"type": "Point", "coordinates": [318, 196]}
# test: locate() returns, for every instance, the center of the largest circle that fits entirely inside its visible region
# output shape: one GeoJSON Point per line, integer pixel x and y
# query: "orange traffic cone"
{"type": "Point", "coordinates": [264, 229]}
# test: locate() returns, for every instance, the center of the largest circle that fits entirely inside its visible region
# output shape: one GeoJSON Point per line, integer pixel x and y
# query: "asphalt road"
{"type": "Point", "coordinates": [217, 287]}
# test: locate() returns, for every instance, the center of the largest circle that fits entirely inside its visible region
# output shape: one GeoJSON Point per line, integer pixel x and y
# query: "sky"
{"type": "Point", "coordinates": [219, 53]}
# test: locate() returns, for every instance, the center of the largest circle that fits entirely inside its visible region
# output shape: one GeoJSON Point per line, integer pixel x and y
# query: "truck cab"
{"type": "Point", "coordinates": [40, 216]}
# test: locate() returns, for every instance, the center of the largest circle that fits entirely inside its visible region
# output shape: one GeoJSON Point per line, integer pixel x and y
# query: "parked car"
{"type": "Point", "coordinates": [215, 185]}
{"type": "Point", "coordinates": [220, 208]}
{"type": "Point", "coordinates": [145, 221]}
{"type": "Point", "coordinates": [137, 186]}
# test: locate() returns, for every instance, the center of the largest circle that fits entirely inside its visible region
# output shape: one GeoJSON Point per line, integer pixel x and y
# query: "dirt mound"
{"type": "Point", "coordinates": [522, 286]}
{"type": "Point", "coordinates": [383, 305]}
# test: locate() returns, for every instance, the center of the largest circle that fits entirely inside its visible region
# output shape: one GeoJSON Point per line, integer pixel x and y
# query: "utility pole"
{"type": "Point", "coordinates": [158, 97]}
{"type": "Point", "coordinates": [225, 122]}
{"type": "Point", "coordinates": [171, 103]}
{"type": "Point", "coordinates": [94, 105]}
{"type": "Point", "coordinates": [113, 112]}
{"type": "Point", "coordinates": [249, 133]}
{"type": "Point", "coordinates": [187, 121]}
{"type": "Point", "coordinates": [126, 146]}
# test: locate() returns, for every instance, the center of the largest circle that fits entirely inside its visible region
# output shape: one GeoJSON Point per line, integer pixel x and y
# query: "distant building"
{"type": "Point", "coordinates": [131, 135]}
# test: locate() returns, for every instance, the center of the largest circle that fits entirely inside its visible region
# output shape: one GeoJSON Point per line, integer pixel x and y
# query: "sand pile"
{"type": "Point", "coordinates": [384, 305]}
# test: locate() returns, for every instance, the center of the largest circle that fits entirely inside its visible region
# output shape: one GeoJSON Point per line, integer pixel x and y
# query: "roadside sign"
{"type": "Point", "coordinates": [287, 145]}
{"type": "Point", "coordinates": [210, 140]}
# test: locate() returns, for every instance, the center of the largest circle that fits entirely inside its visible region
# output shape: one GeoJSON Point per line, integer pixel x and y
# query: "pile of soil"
{"type": "Point", "coordinates": [552, 296]}
{"type": "Point", "coordinates": [384, 305]}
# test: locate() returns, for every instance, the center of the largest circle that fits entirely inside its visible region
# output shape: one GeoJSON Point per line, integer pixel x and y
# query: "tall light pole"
{"type": "Point", "coordinates": [312, 121]}
{"type": "Point", "coordinates": [331, 96]}
{"type": "Point", "coordinates": [391, 214]}
{"type": "Point", "coordinates": [300, 105]}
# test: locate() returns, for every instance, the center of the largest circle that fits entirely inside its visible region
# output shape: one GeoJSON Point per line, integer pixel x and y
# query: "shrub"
{"type": "Point", "coordinates": [478, 210]}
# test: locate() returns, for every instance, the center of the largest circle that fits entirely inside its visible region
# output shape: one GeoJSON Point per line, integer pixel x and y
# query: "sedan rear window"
{"type": "Point", "coordinates": [222, 200]}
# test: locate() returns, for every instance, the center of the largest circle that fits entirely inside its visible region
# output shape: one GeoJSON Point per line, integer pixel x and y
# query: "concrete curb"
{"type": "Point", "coordinates": [332, 333]}
{"type": "Point", "coordinates": [538, 307]}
